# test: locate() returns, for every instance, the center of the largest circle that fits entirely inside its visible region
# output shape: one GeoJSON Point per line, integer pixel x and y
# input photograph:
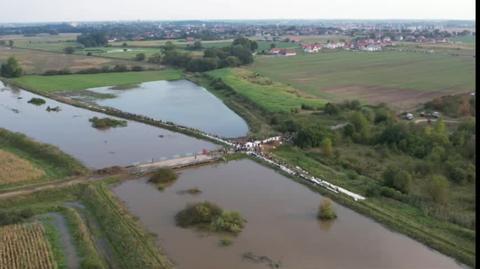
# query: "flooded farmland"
{"type": "Point", "coordinates": [281, 224]}
{"type": "Point", "coordinates": [181, 102]}
{"type": "Point", "coordinates": [71, 131]}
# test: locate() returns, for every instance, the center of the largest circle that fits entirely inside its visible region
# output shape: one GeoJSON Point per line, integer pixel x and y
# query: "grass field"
{"type": "Point", "coordinates": [271, 96]}
{"type": "Point", "coordinates": [401, 79]}
{"type": "Point", "coordinates": [25, 247]}
{"type": "Point", "coordinates": [84, 81]}
{"type": "Point", "coordinates": [39, 61]}
{"type": "Point", "coordinates": [16, 169]}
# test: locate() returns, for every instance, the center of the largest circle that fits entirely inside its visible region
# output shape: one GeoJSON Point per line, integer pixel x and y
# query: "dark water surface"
{"type": "Point", "coordinates": [181, 102]}
{"type": "Point", "coordinates": [71, 131]}
{"type": "Point", "coordinates": [282, 224]}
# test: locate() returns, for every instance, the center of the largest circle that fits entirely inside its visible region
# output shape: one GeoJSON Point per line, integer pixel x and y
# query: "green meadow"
{"type": "Point", "coordinates": [74, 82]}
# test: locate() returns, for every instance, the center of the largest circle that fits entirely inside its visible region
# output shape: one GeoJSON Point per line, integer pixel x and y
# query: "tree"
{"type": "Point", "coordinates": [11, 68]}
{"type": "Point", "coordinates": [197, 45]}
{"type": "Point", "coordinates": [325, 211]}
{"type": "Point", "coordinates": [272, 45]}
{"type": "Point", "coordinates": [437, 189]}
{"type": "Point", "coordinates": [202, 64]}
{"type": "Point", "coordinates": [242, 53]}
{"type": "Point", "coordinates": [69, 50]}
{"type": "Point", "coordinates": [398, 179]}
{"type": "Point", "coordinates": [140, 57]}
{"type": "Point", "coordinates": [11, 43]}
{"type": "Point", "coordinates": [251, 45]}
{"type": "Point", "coordinates": [232, 61]}
{"type": "Point", "coordinates": [168, 46]}
{"type": "Point", "coordinates": [327, 148]}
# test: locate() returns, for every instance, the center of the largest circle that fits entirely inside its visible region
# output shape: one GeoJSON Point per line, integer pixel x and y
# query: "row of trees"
{"type": "Point", "coordinates": [93, 39]}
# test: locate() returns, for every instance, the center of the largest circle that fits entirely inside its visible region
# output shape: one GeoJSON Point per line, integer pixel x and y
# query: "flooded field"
{"type": "Point", "coordinates": [281, 225]}
{"type": "Point", "coordinates": [70, 130]}
{"type": "Point", "coordinates": [181, 102]}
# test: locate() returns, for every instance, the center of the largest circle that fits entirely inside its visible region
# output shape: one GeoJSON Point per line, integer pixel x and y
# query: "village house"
{"type": "Point", "coordinates": [312, 48]}
{"type": "Point", "coordinates": [334, 45]}
{"type": "Point", "coordinates": [283, 52]}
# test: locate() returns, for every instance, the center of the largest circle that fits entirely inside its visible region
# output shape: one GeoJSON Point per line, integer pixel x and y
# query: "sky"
{"type": "Point", "coordinates": [106, 10]}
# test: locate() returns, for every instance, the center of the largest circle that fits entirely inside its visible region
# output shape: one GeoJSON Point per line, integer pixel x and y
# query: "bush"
{"type": "Point", "coordinates": [140, 57]}
{"type": "Point", "coordinates": [163, 177]}
{"type": "Point", "coordinates": [209, 216]}
{"type": "Point", "coordinates": [105, 123]}
{"type": "Point", "coordinates": [37, 101]}
{"type": "Point", "coordinates": [437, 189]}
{"type": "Point", "coordinates": [325, 211]}
{"type": "Point", "coordinates": [398, 179]}
{"type": "Point", "coordinates": [14, 216]}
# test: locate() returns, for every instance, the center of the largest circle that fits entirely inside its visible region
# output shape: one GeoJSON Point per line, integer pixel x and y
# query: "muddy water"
{"type": "Point", "coordinates": [181, 102]}
{"type": "Point", "coordinates": [282, 224]}
{"type": "Point", "coordinates": [71, 131]}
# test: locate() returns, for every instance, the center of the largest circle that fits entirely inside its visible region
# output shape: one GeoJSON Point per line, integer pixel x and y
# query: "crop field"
{"type": "Point", "coordinates": [402, 79]}
{"type": "Point", "coordinates": [84, 81]}
{"type": "Point", "coordinates": [37, 62]}
{"type": "Point", "coordinates": [25, 161]}
{"type": "Point", "coordinates": [25, 246]}
{"type": "Point", "coordinates": [16, 169]}
{"type": "Point", "coordinates": [271, 96]}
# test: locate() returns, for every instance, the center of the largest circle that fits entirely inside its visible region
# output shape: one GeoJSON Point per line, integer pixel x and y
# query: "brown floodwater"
{"type": "Point", "coordinates": [71, 131]}
{"type": "Point", "coordinates": [281, 225]}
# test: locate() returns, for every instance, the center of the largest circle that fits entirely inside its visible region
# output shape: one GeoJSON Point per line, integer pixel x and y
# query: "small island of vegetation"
{"type": "Point", "coordinates": [105, 123]}
{"type": "Point", "coordinates": [325, 211]}
{"type": "Point", "coordinates": [163, 177]}
{"type": "Point", "coordinates": [37, 101]}
{"type": "Point", "coordinates": [209, 216]}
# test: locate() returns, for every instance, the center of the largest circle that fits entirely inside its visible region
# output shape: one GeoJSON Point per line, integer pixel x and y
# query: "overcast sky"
{"type": "Point", "coordinates": [95, 10]}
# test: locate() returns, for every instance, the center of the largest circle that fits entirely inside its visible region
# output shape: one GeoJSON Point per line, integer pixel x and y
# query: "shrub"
{"type": "Point", "coordinates": [209, 216]}
{"type": "Point", "coordinates": [437, 189]}
{"type": "Point", "coordinates": [14, 216]}
{"type": "Point", "coordinates": [36, 101]}
{"type": "Point", "coordinates": [105, 123]}
{"type": "Point", "coordinates": [163, 177]}
{"type": "Point", "coordinates": [325, 211]}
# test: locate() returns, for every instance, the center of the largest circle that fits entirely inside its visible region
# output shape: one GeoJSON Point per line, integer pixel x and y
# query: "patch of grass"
{"type": "Point", "coordinates": [270, 96]}
{"type": "Point", "coordinates": [124, 87]}
{"type": "Point", "coordinates": [83, 241]}
{"type": "Point", "coordinates": [106, 123]}
{"type": "Point", "coordinates": [163, 177]}
{"type": "Point", "coordinates": [132, 246]}
{"type": "Point", "coordinates": [54, 239]}
{"type": "Point", "coordinates": [58, 83]}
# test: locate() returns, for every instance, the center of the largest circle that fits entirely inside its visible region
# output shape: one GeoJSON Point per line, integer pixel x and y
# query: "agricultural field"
{"type": "Point", "coordinates": [25, 161]}
{"type": "Point", "coordinates": [403, 79]}
{"type": "Point", "coordinates": [75, 82]}
{"type": "Point", "coordinates": [25, 246]}
{"type": "Point", "coordinates": [320, 38]}
{"type": "Point", "coordinates": [47, 42]}
{"type": "Point", "coordinates": [16, 169]}
{"type": "Point", "coordinates": [270, 96]}
{"type": "Point", "coordinates": [37, 62]}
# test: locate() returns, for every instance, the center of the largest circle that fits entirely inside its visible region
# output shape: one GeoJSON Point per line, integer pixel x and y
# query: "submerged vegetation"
{"type": "Point", "coordinates": [209, 216]}
{"type": "Point", "coordinates": [163, 177]}
{"type": "Point", "coordinates": [105, 123]}
{"type": "Point", "coordinates": [37, 101]}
